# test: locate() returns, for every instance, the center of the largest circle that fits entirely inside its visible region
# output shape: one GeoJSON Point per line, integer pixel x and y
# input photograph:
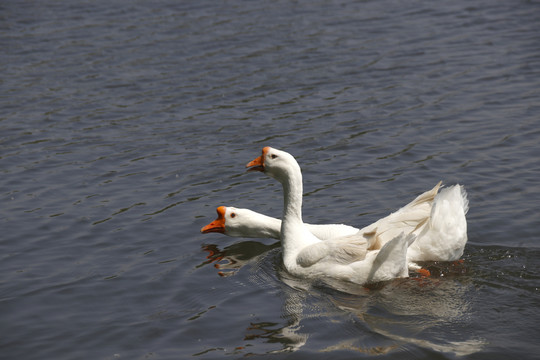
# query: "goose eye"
{"type": "Point", "coordinates": [233, 215]}
{"type": "Point", "coordinates": [273, 156]}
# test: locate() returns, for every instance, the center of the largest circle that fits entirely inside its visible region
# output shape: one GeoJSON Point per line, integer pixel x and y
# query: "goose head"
{"type": "Point", "coordinates": [239, 222]}
{"type": "Point", "coordinates": [275, 163]}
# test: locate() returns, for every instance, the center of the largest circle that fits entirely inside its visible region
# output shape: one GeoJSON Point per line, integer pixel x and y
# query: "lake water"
{"type": "Point", "coordinates": [124, 124]}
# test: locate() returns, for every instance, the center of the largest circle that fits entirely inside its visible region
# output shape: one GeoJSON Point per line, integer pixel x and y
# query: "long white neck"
{"type": "Point", "coordinates": [265, 227]}
{"type": "Point", "coordinates": [262, 226]}
{"type": "Point", "coordinates": [294, 235]}
{"type": "Point", "coordinates": [292, 199]}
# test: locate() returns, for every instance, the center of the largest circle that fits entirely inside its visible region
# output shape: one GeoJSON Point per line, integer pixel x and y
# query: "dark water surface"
{"type": "Point", "coordinates": [123, 124]}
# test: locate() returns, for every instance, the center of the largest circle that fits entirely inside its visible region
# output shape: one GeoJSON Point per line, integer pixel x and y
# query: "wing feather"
{"type": "Point", "coordinates": [342, 250]}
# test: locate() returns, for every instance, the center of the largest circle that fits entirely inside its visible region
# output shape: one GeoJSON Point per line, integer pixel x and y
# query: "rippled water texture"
{"type": "Point", "coordinates": [124, 124]}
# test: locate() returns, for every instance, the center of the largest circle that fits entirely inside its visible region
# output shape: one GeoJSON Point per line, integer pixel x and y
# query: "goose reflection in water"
{"type": "Point", "coordinates": [235, 256]}
{"type": "Point", "coordinates": [412, 311]}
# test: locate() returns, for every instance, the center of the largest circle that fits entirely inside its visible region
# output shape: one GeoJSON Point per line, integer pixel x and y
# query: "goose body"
{"type": "Point", "coordinates": [344, 258]}
{"type": "Point", "coordinates": [436, 217]}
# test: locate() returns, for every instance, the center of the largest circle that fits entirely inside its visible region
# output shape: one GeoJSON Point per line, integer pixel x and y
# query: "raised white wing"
{"type": "Point", "coordinates": [409, 219]}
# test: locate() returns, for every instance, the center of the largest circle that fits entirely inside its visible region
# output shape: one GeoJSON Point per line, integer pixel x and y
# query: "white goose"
{"type": "Point", "coordinates": [247, 223]}
{"type": "Point", "coordinates": [344, 258]}
{"type": "Point", "coordinates": [438, 219]}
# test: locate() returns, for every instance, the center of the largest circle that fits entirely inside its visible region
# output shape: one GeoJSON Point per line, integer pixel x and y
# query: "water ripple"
{"type": "Point", "coordinates": [123, 126]}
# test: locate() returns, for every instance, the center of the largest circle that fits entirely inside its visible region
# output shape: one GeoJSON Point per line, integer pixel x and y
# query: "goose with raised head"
{"type": "Point", "coordinates": [344, 258]}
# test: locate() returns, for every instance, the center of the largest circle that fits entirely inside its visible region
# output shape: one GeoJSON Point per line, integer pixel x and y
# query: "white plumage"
{"type": "Point", "coordinates": [436, 217]}
{"type": "Point", "coordinates": [432, 227]}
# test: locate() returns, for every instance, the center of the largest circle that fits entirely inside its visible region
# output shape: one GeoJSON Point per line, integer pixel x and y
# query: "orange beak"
{"type": "Point", "coordinates": [258, 163]}
{"type": "Point", "coordinates": [217, 225]}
